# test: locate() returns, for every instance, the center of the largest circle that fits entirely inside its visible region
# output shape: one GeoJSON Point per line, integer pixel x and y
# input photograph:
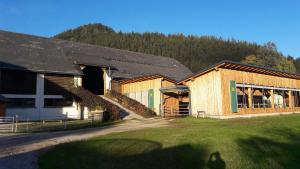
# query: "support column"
{"type": "Point", "coordinates": [190, 104]}
{"type": "Point", "coordinates": [39, 99]}
{"type": "Point", "coordinates": [162, 104]}
{"type": "Point", "coordinates": [272, 98]}
{"type": "Point", "coordinates": [250, 97]}
{"type": "Point", "coordinates": [291, 104]}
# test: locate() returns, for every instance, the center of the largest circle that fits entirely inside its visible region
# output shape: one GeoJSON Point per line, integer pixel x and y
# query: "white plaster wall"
{"type": "Point", "coordinates": [60, 113]}
{"type": "Point", "coordinates": [23, 113]}
{"type": "Point", "coordinates": [107, 80]}
{"type": "Point", "coordinates": [46, 113]}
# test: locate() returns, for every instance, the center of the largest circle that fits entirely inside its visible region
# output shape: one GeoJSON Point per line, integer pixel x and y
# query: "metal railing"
{"type": "Point", "coordinates": [181, 110]}
{"type": "Point", "coordinates": [49, 123]}
{"type": "Point", "coordinates": [7, 124]}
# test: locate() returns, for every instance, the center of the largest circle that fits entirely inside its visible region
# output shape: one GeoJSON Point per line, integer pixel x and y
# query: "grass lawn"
{"type": "Point", "coordinates": [265, 142]}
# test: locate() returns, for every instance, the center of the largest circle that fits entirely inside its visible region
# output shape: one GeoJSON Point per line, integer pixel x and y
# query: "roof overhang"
{"type": "Point", "coordinates": [178, 89]}
{"type": "Point", "coordinates": [146, 77]}
{"type": "Point", "coordinates": [242, 67]}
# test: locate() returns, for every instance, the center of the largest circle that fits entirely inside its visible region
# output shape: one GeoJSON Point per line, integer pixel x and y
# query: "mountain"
{"type": "Point", "coordinates": [196, 52]}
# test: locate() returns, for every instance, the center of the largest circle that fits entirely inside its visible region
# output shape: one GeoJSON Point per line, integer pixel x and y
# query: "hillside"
{"type": "Point", "coordinates": [196, 52]}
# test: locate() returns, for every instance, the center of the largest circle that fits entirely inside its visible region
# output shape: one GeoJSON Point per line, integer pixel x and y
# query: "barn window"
{"type": "Point", "coordinates": [281, 99]}
{"type": "Point", "coordinates": [257, 98]}
{"type": "Point", "coordinates": [261, 98]}
{"type": "Point", "coordinates": [17, 82]}
{"type": "Point", "coordinates": [57, 102]}
{"type": "Point", "coordinates": [21, 103]}
{"type": "Point", "coordinates": [242, 97]}
{"type": "Point", "coordinates": [296, 98]}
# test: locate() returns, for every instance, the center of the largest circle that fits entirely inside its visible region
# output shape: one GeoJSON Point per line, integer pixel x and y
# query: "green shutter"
{"type": "Point", "coordinates": [233, 96]}
{"type": "Point", "coordinates": [151, 98]}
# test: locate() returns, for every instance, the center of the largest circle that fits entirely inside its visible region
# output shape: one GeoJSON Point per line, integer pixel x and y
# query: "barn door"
{"type": "Point", "coordinates": [151, 98]}
{"type": "Point", "coordinates": [233, 96]}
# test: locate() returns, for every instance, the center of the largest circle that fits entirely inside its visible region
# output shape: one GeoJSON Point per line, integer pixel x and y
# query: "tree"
{"type": "Point", "coordinates": [195, 52]}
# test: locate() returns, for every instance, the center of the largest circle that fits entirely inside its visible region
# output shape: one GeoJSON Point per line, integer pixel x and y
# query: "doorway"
{"type": "Point", "coordinates": [92, 80]}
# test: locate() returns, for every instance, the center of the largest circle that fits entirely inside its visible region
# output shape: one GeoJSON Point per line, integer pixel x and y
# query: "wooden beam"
{"type": "Point", "coordinates": [291, 104]}
{"type": "Point", "coordinates": [250, 97]}
{"type": "Point", "coordinates": [272, 98]}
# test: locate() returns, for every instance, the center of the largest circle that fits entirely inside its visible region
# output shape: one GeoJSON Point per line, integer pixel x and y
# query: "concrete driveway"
{"type": "Point", "coordinates": [21, 151]}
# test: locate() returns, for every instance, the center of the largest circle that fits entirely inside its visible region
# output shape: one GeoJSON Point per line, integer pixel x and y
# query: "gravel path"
{"type": "Point", "coordinates": [21, 151]}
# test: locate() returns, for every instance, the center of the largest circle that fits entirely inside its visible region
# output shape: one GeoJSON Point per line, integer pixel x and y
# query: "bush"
{"type": "Point", "coordinates": [131, 104]}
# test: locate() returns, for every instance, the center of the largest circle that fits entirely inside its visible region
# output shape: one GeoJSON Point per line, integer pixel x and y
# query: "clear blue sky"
{"type": "Point", "coordinates": [253, 20]}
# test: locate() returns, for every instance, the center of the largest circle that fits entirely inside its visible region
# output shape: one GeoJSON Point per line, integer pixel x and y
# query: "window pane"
{"type": "Point", "coordinates": [242, 97]}
{"type": "Point", "coordinates": [278, 99]}
{"type": "Point", "coordinates": [21, 103]}
{"type": "Point", "coordinates": [58, 102]}
{"type": "Point", "coordinates": [17, 82]}
{"type": "Point", "coordinates": [296, 96]}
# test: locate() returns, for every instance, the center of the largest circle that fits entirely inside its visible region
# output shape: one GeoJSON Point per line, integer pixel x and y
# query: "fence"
{"type": "Point", "coordinates": [50, 123]}
{"type": "Point", "coordinates": [181, 110]}
{"type": "Point", "coordinates": [7, 124]}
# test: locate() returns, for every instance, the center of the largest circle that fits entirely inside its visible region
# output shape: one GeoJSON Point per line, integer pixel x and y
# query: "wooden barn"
{"type": "Point", "coordinates": [231, 89]}
{"type": "Point", "coordinates": [159, 93]}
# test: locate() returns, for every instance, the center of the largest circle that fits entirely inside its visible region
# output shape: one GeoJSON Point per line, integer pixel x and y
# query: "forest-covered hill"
{"type": "Point", "coordinates": [196, 52]}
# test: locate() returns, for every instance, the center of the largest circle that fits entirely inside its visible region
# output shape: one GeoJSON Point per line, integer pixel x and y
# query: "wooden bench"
{"type": "Point", "coordinates": [200, 113]}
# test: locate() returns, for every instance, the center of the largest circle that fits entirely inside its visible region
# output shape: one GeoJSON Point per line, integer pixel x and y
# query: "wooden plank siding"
{"type": "Point", "coordinates": [142, 86]}
{"type": "Point", "coordinates": [116, 86]}
{"type": "Point", "coordinates": [254, 79]}
{"type": "Point", "coordinates": [205, 93]}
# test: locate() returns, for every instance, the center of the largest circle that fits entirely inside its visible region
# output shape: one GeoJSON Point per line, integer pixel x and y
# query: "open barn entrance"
{"type": "Point", "coordinates": [93, 80]}
{"type": "Point", "coordinates": [175, 101]}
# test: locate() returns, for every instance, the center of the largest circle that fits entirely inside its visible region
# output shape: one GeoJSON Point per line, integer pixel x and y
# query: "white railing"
{"type": "Point", "coordinates": [7, 124]}
{"type": "Point", "coordinates": [16, 124]}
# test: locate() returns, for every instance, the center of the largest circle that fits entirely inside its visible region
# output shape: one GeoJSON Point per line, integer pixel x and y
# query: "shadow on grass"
{"type": "Point", "coordinates": [215, 161]}
{"type": "Point", "coordinates": [280, 150]}
{"type": "Point", "coordinates": [124, 154]}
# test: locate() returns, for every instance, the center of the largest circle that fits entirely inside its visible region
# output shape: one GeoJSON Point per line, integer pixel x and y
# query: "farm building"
{"type": "Point", "coordinates": [158, 93]}
{"type": "Point", "coordinates": [225, 90]}
{"type": "Point", "coordinates": [37, 73]}
{"type": "Point", "coordinates": [231, 89]}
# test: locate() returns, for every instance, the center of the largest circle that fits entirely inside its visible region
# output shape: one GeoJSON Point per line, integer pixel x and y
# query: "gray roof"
{"type": "Point", "coordinates": [40, 54]}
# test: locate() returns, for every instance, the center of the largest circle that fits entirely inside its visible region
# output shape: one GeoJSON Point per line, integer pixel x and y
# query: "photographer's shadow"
{"type": "Point", "coordinates": [215, 161]}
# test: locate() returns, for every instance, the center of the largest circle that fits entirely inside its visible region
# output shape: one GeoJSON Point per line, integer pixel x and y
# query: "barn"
{"type": "Point", "coordinates": [225, 90]}
{"type": "Point", "coordinates": [159, 93]}
{"type": "Point", "coordinates": [37, 73]}
{"type": "Point", "coordinates": [231, 89]}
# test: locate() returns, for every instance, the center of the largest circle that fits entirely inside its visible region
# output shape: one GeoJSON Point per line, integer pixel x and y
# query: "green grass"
{"type": "Point", "coordinates": [267, 142]}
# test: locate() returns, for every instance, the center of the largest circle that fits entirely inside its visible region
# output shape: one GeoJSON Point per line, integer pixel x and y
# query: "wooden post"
{"type": "Point", "coordinates": [290, 99]}
{"type": "Point", "coordinates": [272, 98]}
{"type": "Point", "coordinates": [250, 97]}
